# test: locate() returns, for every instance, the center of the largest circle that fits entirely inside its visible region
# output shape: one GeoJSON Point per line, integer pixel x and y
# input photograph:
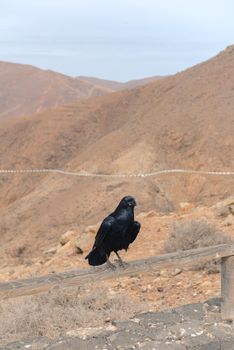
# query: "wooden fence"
{"type": "Point", "coordinates": [225, 252]}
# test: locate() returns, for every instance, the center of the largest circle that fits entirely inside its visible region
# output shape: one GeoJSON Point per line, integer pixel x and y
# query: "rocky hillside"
{"type": "Point", "coordinates": [88, 316]}
{"type": "Point", "coordinates": [25, 89]}
{"type": "Point", "coordinates": [183, 121]}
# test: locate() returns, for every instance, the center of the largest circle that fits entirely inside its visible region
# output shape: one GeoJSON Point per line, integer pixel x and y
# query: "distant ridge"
{"type": "Point", "coordinates": [117, 86]}
{"type": "Point", "coordinates": [25, 89]}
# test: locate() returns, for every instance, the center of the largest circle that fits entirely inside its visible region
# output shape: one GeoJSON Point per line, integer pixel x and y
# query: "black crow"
{"type": "Point", "coordinates": [116, 232]}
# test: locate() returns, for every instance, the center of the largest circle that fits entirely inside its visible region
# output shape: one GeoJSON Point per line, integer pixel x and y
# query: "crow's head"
{"type": "Point", "coordinates": [127, 201]}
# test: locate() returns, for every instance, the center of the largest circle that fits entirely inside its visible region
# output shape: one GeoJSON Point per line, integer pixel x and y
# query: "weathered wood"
{"type": "Point", "coordinates": [227, 287]}
{"type": "Point", "coordinates": [80, 277]}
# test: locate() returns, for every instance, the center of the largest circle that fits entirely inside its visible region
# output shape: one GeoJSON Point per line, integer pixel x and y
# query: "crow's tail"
{"type": "Point", "coordinates": [95, 257]}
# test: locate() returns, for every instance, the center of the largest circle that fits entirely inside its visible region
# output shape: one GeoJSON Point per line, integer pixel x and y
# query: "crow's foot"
{"type": "Point", "coordinates": [110, 265]}
{"type": "Point", "coordinates": [122, 264]}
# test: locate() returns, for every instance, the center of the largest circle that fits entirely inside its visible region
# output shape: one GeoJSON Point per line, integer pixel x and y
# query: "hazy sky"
{"type": "Point", "coordinates": [114, 39]}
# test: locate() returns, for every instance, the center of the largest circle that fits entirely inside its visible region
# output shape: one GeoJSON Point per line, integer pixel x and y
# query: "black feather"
{"type": "Point", "coordinates": [116, 232]}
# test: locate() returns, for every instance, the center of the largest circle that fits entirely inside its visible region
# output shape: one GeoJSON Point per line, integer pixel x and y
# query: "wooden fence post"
{"type": "Point", "coordinates": [227, 288]}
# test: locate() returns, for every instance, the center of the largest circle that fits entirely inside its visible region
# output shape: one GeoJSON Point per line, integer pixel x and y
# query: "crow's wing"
{"type": "Point", "coordinates": [134, 231]}
{"type": "Point", "coordinates": [105, 227]}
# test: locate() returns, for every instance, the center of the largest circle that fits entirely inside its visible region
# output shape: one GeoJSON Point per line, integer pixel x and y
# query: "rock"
{"type": "Point", "coordinates": [84, 333]}
{"type": "Point", "coordinates": [185, 206]}
{"type": "Point", "coordinates": [80, 245]}
{"type": "Point", "coordinates": [225, 207]}
{"type": "Point", "coordinates": [66, 250]}
{"type": "Point", "coordinates": [79, 250]}
{"type": "Point", "coordinates": [229, 220]}
{"type": "Point", "coordinates": [231, 208]}
{"type": "Point", "coordinates": [176, 272]}
{"type": "Point", "coordinates": [66, 237]}
{"type": "Point", "coordinates": [164, 273]}
{"type": "Point", "coordinates": [91, 229]}
{"type": "Point", "coordinates": [50, 251]}
{"type": "Point", "coordinates": [83, 242]}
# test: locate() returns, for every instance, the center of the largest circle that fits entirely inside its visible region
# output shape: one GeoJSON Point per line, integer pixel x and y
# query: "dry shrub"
{"type": "Point", "coordinates": [58, 311]}
{"type": "Point", "coordinates": [192, 234]}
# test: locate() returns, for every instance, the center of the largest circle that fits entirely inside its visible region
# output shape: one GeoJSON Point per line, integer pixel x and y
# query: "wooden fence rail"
{"type": "Point", "coordinates": [225, 252]}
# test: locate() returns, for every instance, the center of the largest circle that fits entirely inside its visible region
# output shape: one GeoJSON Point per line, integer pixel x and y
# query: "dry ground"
{"type": "Point", "coordinates": [59, 311]}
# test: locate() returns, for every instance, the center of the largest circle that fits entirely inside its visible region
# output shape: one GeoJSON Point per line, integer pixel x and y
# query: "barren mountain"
{"type": "Point", "coordinates": [183, 121]}
{"type": "Point", "coordinates": [26, 89]}
{"type": "Point", "coordinates": [117, 86]}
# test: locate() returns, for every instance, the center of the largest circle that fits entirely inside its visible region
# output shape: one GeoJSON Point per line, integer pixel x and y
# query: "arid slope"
{"type": "Point", "coordinates": [117, 86]}
{"type": "Point", "coordinates": [183, 121]}
{"type": "Point", "coordinates": [25, 89]}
